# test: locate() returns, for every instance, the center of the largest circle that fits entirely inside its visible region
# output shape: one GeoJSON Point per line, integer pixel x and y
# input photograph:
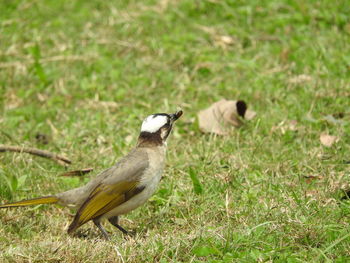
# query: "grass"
{"type": "Point", "coordinates": [85, 74]}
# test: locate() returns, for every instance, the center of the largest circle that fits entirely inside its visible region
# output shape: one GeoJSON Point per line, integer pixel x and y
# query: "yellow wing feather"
{"type": "Point", "coordinates": [102, 200]}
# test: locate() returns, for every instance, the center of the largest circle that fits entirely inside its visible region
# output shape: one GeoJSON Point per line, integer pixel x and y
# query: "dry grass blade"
{"type": "Point", "coordinates": [328, 140]}
{"type": "Point", "coordinates": [25, 62]}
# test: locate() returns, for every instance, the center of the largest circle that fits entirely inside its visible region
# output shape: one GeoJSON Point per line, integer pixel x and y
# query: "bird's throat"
{"type": "Point", "coordinates": [148, 139]}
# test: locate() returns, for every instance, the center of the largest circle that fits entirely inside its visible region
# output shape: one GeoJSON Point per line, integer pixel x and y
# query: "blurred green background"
{"type": "Point", "coordinates": [83, 75]}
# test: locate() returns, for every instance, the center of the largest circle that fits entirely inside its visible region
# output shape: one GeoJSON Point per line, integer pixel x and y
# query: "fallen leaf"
{"type": "Point", "coordinates": [222, 115]}
{"type": "Point", "coordinates": [249, 115]}
{"type": "Point", "coordinates": [310, 178]}
{"type": "Point", "coordinates": [328, 140]}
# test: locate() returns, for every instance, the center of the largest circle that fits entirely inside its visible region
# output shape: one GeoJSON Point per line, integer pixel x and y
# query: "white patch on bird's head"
{"type": "Point", "coordinates": [153, 123]}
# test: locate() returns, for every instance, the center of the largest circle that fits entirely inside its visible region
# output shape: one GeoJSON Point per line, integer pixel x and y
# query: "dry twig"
{"type": "Point", "coordinates": [80, 172]}
{"type": "Point", "coordinates": [42, 153]}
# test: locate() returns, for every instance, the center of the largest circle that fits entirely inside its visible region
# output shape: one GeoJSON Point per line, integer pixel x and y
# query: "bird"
{"type": "Point", "coordinates": [123, 187]}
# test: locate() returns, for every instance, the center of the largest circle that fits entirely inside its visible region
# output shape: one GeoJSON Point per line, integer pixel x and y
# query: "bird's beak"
{"type": "Point", "coordinates": [176, 115]}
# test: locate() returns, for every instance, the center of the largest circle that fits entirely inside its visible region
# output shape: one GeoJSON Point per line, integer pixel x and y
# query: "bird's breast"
{"type": "Point", "coordinates": [149, 181]}
{"type": "Point", "coordinates": [156, 162]}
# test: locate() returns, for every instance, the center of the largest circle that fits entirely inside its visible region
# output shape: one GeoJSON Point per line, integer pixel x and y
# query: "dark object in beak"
{"type": "Point", "coordinates": [176, 115]}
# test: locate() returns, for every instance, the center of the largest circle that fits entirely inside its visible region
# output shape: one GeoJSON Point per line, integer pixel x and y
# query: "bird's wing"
{"type": "Point", "coordinates": [118, 187]}
{"type": "Point", "coordinates": [103, 199]}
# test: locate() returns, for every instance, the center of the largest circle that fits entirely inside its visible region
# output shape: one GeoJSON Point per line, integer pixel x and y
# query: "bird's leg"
{"type": "Point", "coordinates": [99, 226]}
{"type": "Point", "coordinates": [114, 221]}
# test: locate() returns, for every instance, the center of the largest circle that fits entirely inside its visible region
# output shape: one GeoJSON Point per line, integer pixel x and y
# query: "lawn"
{"type": "Point", "coordinates": [84, 74]}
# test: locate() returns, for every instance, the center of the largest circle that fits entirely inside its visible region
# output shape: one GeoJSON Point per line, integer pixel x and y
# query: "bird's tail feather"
{"type": "Point", "coordinates": [34, 201]}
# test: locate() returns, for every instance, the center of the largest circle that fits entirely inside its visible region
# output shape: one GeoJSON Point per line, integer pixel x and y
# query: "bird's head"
{"type": "Point", "coordinates": [156, 128]}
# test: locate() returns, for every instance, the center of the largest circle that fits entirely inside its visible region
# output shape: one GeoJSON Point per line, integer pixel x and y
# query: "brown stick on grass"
{"type": "Point", "coordinates": [42, 153]}
{"type": "Point", "coordinates": [78, 172]}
